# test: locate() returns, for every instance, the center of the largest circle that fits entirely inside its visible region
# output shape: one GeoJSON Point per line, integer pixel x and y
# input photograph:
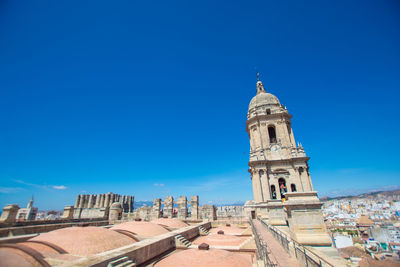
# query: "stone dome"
{"type": "Point", "coordinates": [262, 98]}
{"type": "Point", "coordinates": [85, 241]}
{"type": "Point", "coordinates": [145, 229]}
{"type": "Point", "coordinates": [172, 223]}
{"type": "Point", "coordinates": [209, 258]}
{"type": "Point", "coordinates": [18, 256]}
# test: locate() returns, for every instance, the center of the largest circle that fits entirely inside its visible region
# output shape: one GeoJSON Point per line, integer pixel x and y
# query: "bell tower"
{"type": "Point", "coordinates": [277, 164]}
{"type": "Point", "coordinates": [282, 188]}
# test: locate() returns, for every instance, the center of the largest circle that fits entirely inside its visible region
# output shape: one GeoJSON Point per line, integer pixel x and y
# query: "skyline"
{"type": "Point", "coordinates": [151, 100]}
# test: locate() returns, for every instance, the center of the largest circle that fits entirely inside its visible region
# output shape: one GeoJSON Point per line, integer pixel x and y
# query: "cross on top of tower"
{"type": "Point", "coordinates": [260, 86]}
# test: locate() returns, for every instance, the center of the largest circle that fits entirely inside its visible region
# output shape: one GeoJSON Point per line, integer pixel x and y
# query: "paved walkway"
{"type": "Point", "coordinates": [278, 254]}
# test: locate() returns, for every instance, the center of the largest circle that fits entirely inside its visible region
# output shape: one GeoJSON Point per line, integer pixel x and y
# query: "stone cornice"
{"type": "Point", "coordinates": [253, 163]}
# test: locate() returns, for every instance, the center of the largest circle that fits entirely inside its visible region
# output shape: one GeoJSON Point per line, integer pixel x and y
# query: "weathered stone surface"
{"type": "Point", "coordinates": [182, 207]}
{"type": "Point", "coordinates": [168, 206]}
{"type": "Point", "coordinates": [194, 207]}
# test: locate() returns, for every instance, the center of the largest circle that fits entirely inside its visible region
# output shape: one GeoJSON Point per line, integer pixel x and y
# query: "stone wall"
{"type": "Point", "coordinates": [98, 205]}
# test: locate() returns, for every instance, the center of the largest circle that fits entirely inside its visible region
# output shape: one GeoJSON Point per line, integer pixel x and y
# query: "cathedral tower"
{"type": "Point", "coordinates": [282, 188]}
{"type": "Point", "coordinates": [277, 165]}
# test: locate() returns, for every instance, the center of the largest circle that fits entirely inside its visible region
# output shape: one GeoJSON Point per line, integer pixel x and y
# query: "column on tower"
{"type": "Point", "coordinates": [266, 192]}
{"type": "Point", "coordinates": [258, 197]}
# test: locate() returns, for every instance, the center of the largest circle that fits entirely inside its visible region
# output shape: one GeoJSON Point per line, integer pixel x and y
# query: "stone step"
{"type": "Point", "coordinates": [117, 261]}
{"type": "Point", "coordinates": [125, 264]}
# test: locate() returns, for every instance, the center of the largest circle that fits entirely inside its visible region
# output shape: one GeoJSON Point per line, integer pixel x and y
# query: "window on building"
{"type": "Point", "coordinates": [293, 187]}
{"type": "Point", "coordinates": [268, 111]}
{"type": "Point", "coordinates": [272, 134]}
{"type": "Point", "coordinates": [282, 187]}
{"type": "Point", "coordinates": [273, 192]}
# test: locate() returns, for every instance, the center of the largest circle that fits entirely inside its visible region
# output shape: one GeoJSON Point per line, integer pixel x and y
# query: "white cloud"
{"type": "Point", "coordinates": [59, 187]}
{"type": "Point", "coordinates": [10, 190]}
{"type": "Point", "coordinates": [161, 185]}
{"type": "Point", "coordinates": [47, 187]}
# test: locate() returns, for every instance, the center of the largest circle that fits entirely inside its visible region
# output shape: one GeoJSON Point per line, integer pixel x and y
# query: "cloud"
{"type": "Point", "coordinates": [59, 187]}
{"type": "Point", "coordinates": [161, 185]}
{"type": "Point", "coordinates": [30, 184]}
{"type": "Point", "coordinates": [47, 187]}
{"type": "Point", "coordinates": [10, 190]}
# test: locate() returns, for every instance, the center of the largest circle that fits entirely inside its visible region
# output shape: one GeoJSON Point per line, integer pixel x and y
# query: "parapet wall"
{"type": "Point", "coordinates": [142, 251]}
{"type": "Point", "coordinates": [46, 227]}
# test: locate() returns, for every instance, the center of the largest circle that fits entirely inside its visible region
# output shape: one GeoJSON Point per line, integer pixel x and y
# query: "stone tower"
{"type": "Point", "coordinates": [277, 165]}
{"type": "Point", "coordinates": [282, 188]}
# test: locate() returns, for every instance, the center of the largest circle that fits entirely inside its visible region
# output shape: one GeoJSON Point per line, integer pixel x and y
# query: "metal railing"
{"type": "Point", "coordinates": [303, 255]}
{"type": "Point", "coordinates": [262, 249]}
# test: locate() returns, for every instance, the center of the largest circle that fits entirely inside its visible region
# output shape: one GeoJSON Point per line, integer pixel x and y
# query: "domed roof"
{"type": "Point", "coordinates": [85, 241]}
{"type": "Point", "coordinates": [16, 257]}
{"type": "Point", "coordinates": [219, 240]}
{"type": "Point", "coordinates": [228, 230]}
{"type": "Point", "coordinates": [209, 258]}
{"type": "Point", "coordinates": [170, 222]}
{"type": "Point", "coordinates": [263, 98]}
{"type": "Point", "coordinates": [145, 229]}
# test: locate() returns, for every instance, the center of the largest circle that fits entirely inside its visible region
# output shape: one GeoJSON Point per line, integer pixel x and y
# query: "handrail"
{"type": "Point", "coordinates": [275, 230]}
{"type": "Point", "coordinates": [261, 248]}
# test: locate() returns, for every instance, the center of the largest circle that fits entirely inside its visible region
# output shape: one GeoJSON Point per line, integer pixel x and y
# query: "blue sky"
{"type": "Point", "coordinates": [149, 98]}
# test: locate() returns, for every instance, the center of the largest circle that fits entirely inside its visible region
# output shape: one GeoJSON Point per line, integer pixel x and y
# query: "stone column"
{"type": "Point", "coordinates": [97, 205]}
{"type": "Point", "coordinates": [168, 207]}
{"type": "Point", "coordinates": [90, 201]}
{"type": "Point", "coordinates": [102, 200]}
{"type": "Point", "coordinates": [9, 214]}
{"type": "Point", "coordinates": [115, 212]}
{"type": "Point", "coordinates": [107, 200]}
{"type": "Point", "coordinates": [68, 213]}
{"type": "Point", "coordinates": [209, 212]}
{"type": "Point", "coordinates": [194, 207]}
{"type": "Point", "coordinates": [182, 207]}
{"type": "Point", "coordinates": [81, 201]}
{"type": "Point", "coordinates": [77, 201]}
{"type": "Point", "coordinates": [156, 212]}
{"type": "Point", "coordinates": [257, 193]}
{"type": "Point", "coordinates": [131, 203]}
{"type": "Point", "coordinates": [265, 185]}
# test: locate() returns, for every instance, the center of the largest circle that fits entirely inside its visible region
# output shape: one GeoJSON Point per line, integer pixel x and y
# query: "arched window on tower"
{"type": "Point", "coordinates": [272, 134]}
{"type": "Point", "coordinates": [268, 111]}
{"type": "Point", "coordinates": [293, 187]}
{"type": "Point", "coordinates": [273, 192]}
{"type": "Point", "coordinates": [282, 187]}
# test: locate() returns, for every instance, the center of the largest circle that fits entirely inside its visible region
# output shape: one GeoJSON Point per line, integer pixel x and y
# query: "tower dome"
{"type": "Point", "coordinates": [263, 98]}
{"type": "Point", "coordinates": [264, 103]}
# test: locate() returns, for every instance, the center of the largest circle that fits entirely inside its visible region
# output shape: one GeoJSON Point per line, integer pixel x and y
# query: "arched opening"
{"type": "Point", "coordinates": [293, 187]}
{"type": "Point", "coordinates": [268, 111]}
{"type": "Point", "coordinates": [272, 134]}
{"type": "Point", "coordinates": [282, 187]}
{"type": "Point", "coordinates": [273, 192]}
